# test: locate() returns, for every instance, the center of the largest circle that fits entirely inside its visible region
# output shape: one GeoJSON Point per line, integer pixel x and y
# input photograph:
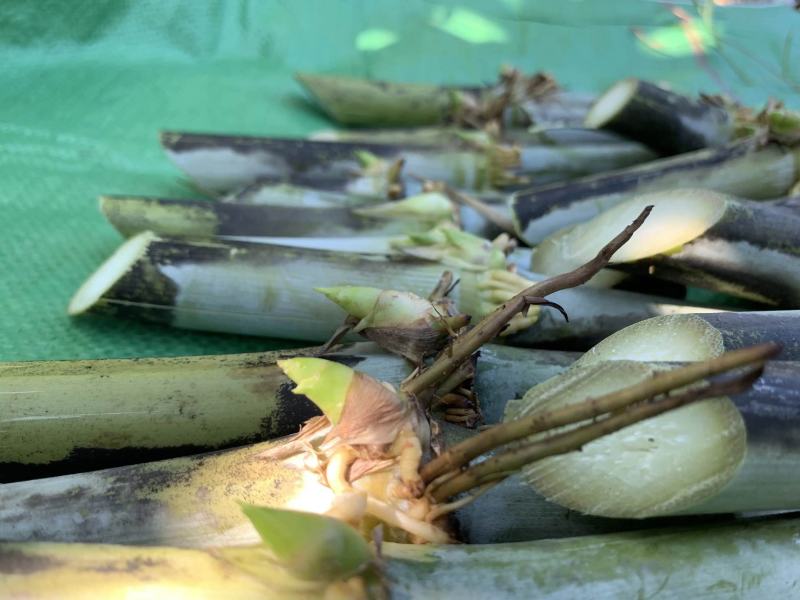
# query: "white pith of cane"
{"type": "Point", "coordinates": [661, 466]}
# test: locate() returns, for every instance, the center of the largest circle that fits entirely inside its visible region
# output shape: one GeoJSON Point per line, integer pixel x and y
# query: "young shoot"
{"type": "Point", "coordinates": [429, 207]}
{"type": "Point", "coordinates": [400, 322]}
{"type": "Point", "coordinates": [458, 249]}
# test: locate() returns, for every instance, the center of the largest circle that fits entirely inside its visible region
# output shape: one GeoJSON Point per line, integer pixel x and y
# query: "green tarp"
{"type": "Point", "coordinates": [86, 84]}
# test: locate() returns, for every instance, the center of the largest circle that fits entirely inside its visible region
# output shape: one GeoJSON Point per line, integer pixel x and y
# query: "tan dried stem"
{"type": "Point", "coordinates": [575, 439]}
{"type": "Point", "coordinates": [661, 383]}
{"type": "Point", "coordinates": [442, 288]}
{"type": "Point", "coordinates": [423, 385]}
{"type": "Point", "coordinates": [482, 208]}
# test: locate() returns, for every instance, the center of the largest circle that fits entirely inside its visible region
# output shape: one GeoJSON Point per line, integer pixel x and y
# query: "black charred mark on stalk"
{"type": "Point", "coordinates": [292, 411]}
{"type": "Point", "coordinates": [131, 566]}
{"type": "Point", "coordinates": [532, 204]}
{"type": "Point", "coordinates": [759, 227]}
{"type": "Point", "coordinates": [275, 220]}
{"type": "Point", "coordinates": [766, 421]}
{"type": "Point", "coordinates": [759, 224]}
{"type": "Point", "coordinates": [145, 292]}
{"type": "Point", "coordinates": [74, 494]}
{"type": "Point", "coordinates": [149, 479]}
{"type": "Point", "coordinates": [740, 329]}
{"type": "Point", "coordinates": [17, 562]}
{"type": "Point", "coordinates": [93, 459]}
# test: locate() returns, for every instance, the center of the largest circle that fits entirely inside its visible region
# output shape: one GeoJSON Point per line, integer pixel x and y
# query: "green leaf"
{"type": "Point", "coordinates": [313, 547]}
{"type": "Point", "coordinates": [357, 301]}
{"type": "Point", "coordinates": [429, 206]}
{"type": "Point", "coordinates": [324, 382]}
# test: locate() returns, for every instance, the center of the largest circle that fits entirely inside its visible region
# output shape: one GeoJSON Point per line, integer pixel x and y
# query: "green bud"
{"type": "Point", "coordinates": [454, 248]}
{"type": "Point", "coordinates": [784, 126]}
{"type": "Point", "coordinates": [380, 308]}
{"type": "Point", "coordinates": [430, 207]}
{"type": "Point", "coordinates": [324, 382]}
{"type": "Point", "coordinates": [312, 547]}
{"type": "Point", "coordinates": [357, 301]}
{"type": "Point", "coordinates": [400, 322]}
{"type": "Point", "coordinates": [368, 160]}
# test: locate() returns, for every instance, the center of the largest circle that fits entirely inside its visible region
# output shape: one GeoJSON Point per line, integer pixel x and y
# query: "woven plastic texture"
{"type": "Point", "coordinates": [85, 85]}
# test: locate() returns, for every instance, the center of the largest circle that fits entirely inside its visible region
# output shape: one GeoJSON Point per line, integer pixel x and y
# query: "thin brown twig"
{"type": "Point", "coordinates": [661, 383]}
{"type": "Point", "coordinates": [442, 288]}
{"type": "Point", "coordinates": [487, 212]}
{"type": "Point", "coordinates": [575, 439]}
{"type": "Point", "coordinates": [491, 325]}
{"type": "Point", "coordinates": [464, 372]}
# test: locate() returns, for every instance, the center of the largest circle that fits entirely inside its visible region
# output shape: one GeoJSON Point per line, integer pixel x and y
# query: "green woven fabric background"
{"type": "Point", "coordinates": [86, 84]}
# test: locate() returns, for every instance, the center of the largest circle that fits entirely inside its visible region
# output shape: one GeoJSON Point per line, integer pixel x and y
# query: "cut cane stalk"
{"type": "Point", "coordinates": [696, 237]}
{"type": "Point", "coordinates": [668, 122]}
{"type": "Point", "coordinates": [203, 219]}
{"type": "Point", "coordinates": [274, 217]}
{"type": "Point", "coordinates": [257, 289]}
{"type": "Point", "coordinates": [376, 103]}
{"type": "Point", "coordinates": [157, 503]}
{"type": "Point", "coordinates": [545, 156]}
{"type": "Point", "coordinates": [360, 102]}
{"type": "Point", "coordinates": [715, 456]}
{"type": "Point", "coordinates": [761, 554]}
{"type": "Point", "coordinates": [363, 191]}
{"type": "Point", "coordinates": [116, 412]}
{"type": "Point", "coordinates": [164, 494]}
{"type": "Point", "coordinates": [59, 417]}
{"type": "Point", "coordinates": [223, 162]}
{"type": "Point", "coordinates": [742, 169]}
{"type": "Point", "coordinates": [448, 136]}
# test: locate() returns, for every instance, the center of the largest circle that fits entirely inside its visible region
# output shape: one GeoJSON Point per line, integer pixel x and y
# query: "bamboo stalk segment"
{"type": "Point", "coordinates": [749, 560]}
{"type": "Point", "coordinates": [352, 101]}
{"type": "Point", "coordinates": [545, 155]}
{"type": "Point", "coordinates": [286, 194]}
{"type": "Point", "coordinates": [69, 416]}
{"type": "Point", "coordinates": [670, 123]}
{"type": "Point", "coordinates": [202, 219]}
{"type": "Point", "coordinates": [360, 102]}
{"type": "Point", "coordinates": [709, 457]}
{"type": "Point", "coordinates": [220, 163]}
{"type": "Point", "coordinates": [156, 502]}
{"type": "Point", "coordinates": [741, 168]}
{"type": "Point", "coordinates": [259, 289]}
{"type": "Point", "coordinates": [694, 237]}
